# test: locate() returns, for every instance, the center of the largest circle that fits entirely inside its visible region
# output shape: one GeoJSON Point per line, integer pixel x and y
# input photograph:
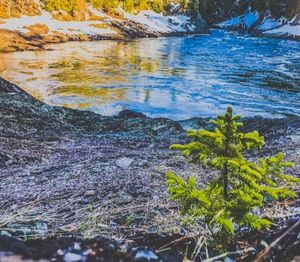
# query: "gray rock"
{"type": "Point", "coordinates": [90, 193]}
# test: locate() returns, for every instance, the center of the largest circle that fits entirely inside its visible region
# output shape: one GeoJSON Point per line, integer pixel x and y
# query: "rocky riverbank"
{"type": "Point", "coordinates": [258, 25]}
{"type": "Point", "coordinates": [68, 172]}
{"type": "Point", "coordinates": [33, 30]}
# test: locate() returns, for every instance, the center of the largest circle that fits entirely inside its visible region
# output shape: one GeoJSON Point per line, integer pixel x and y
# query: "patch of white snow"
{"type": "Point", "coordinates": [66, 27]}
{"type": "Point", "coordinates": [245, 21]}
{"type": "Point", "coordinates": [287, 29]}
{"type": "Point", "coordinates": [155, 22]}
{"type": "Point", "coordinates": [269, 23]}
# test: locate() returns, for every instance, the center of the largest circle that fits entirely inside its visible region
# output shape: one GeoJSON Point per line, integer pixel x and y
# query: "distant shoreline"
{"type": "Point", "coordinates": [34, 32]}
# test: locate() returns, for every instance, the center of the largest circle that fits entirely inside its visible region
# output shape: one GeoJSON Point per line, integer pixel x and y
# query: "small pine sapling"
{"type": "Point", "coordinates": [241, 186]}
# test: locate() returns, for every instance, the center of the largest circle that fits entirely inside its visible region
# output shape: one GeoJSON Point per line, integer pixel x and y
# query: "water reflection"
{"type": "Point", "coordinates": [174, 77]}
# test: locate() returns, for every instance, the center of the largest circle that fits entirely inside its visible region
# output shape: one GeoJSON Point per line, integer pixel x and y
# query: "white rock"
{"type": "Point", "coordinates": [124, 162]}
{"type": "Point", "coordinates": [71, 257]}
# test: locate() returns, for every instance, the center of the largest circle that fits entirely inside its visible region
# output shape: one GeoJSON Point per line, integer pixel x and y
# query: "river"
{"type": "Point", "coordinates": [176, 77]}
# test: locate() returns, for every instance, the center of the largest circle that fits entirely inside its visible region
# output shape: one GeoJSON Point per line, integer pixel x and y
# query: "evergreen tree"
{"type": "Point", "coordinates": [241, 185]}
{"type": "Point", "coordinates": [276, 7]}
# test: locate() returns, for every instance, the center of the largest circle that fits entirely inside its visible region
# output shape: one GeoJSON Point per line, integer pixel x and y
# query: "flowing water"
{"type": "Point", "coordinates": [172, 77]}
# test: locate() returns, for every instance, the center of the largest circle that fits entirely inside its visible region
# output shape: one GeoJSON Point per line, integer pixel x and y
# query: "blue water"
{"type": "Point", "coordinates": [178, 77]}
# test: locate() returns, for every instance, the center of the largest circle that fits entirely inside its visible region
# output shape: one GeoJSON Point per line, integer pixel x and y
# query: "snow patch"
{"type": "Point", "coordinates": [269, 23]}
{"type": "Point", "coordinates": [269, 26]}
{"type": "Point", "coordinates": [280, 27]}
{"type": "Point", "coordinates": [65, 27]}
{"type": "Point", "coordinates": [245, 21]}
{"type": "Point", "coordinates": [288, 29]}
{"type": "Point", "coordinates": [155, 22]}
{"type": "Point", "coordinates": [152, 21]}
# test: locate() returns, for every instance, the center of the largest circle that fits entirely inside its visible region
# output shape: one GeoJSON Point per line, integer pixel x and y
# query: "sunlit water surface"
{"type": "Point", "coordinates": [178, 77]}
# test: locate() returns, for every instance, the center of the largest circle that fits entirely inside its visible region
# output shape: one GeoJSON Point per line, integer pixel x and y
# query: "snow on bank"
{"type": "Point", "coordinates": [244, 21]}
{"type": "Point", "coordinates": [152, 21]}
{"type": "Point", "coordinates": [284, 28]}
{"type": "Point", "coordinates": [288, 30]}
{"type": "Point", "coordinates": [155, 22]}
{"type": "Point", "coordinates": [270, 23]}
{"type": "Point", "coordinates": [269, 26]}
{"type": "Point", "coordinates": [65, 27]}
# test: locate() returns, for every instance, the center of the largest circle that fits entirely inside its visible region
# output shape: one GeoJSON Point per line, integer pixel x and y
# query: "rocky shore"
{"type": "Point", "coordinates": [67, 172]}
{"type": "Point", "coordinates": [34, 31]}
{"type": "Point", "coordinates": [256, 24]}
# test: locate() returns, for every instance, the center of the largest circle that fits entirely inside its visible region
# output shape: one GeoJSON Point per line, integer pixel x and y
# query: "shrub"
{"type": "Point", "coordinates": [108, 5]}
{"type": "Point", "coordinates": [241, 186]}
{"type": "Point", "coordinates": [65, 5]}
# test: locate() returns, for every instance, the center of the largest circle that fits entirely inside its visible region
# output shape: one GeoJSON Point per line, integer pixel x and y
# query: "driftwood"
{"type": "Point", "coordinates": [265, 253]}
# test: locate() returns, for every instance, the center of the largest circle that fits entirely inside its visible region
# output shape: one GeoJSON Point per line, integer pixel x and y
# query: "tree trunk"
{"type": "Point", "coordinates": [225, 182]}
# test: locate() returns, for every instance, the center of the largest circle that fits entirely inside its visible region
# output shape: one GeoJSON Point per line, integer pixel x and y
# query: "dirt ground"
{"type": "Point", "coordinates": [67, 172]}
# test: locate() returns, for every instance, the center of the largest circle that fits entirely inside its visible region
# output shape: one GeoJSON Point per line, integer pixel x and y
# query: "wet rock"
{"type": "Point", "coordinates": [72, 257]}
{"type": "Point", "coordinates": [145, 255]}
{"type": "Point", "coordinates": [124, 162]}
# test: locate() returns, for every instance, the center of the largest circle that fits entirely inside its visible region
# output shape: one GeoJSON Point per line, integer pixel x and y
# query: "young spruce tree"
{"type": "Point", "coordinates": [241, 185]}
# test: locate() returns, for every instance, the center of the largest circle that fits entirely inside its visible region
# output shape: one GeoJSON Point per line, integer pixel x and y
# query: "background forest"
{"type": "Point", "coordinates": [212, 10]}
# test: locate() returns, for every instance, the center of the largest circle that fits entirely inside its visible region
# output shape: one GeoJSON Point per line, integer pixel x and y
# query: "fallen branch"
{"type": "Point", "coordinates": [239, 252]}
{"type": "Point", "coordinates": [264, 254]}
{"type": "Point", "coordinates": [173, 242]}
